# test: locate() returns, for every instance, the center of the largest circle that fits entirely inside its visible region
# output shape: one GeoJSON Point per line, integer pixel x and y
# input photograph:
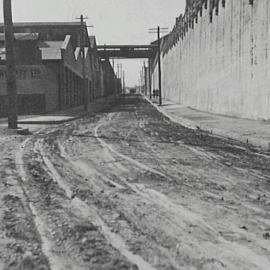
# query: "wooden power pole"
{"type": "Point", "coordinates": [145, 78]}
{"type": "Point", "coordinates": [82, 49]}
{"type": "Point", "coordinates": [150, 78]}
{"type": "Point", "coordinates": [124, 83]}
{"type": "Point", "coordinates": [10, 66]}
{"type": "Point", "coordinates": [159, 67]}
{"type": "Point", "coordinates": [158, 31]}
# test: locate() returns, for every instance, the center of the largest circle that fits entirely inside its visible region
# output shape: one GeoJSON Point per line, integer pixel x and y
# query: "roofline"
{"type": "Point", "coordinates": [23, 24]}
{"type": "Point", "coordinates": [22, 36]}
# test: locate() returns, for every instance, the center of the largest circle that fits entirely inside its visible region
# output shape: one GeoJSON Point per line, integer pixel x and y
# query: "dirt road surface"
{"type": "Point", "coordinates": [128, 189]}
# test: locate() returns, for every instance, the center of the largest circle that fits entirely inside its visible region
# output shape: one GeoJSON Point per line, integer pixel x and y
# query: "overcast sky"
{"type": "Point", "coordinates": [115, 21]}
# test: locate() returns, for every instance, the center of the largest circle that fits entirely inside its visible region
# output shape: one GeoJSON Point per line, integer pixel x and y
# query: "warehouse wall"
{"type": "Point", "coordinates": [33, 81]}
{"type": "Point", "coordinates": [224, 66]}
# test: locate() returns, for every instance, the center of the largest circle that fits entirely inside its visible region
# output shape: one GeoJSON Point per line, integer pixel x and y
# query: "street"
{"type": "Point", "coordinates": [127, 188]}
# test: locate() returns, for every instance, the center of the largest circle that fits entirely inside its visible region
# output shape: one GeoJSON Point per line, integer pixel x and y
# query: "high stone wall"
{"type": "Point", "coordinates": [221, 66]}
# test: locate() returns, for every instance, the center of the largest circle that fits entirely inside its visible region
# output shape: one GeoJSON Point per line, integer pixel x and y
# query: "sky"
{"type": "Point", "coordinates": [114, 21]}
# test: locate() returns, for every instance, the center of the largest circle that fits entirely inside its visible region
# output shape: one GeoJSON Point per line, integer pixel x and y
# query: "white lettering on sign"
{"type": "Point", "coordinates": [23, 74]}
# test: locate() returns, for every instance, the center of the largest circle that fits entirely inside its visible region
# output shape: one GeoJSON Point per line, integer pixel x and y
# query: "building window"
{"type": "Point", "coordinates": [35, 74]}
{"type": "Point", "coordinates": [21, 74]}
{"type": "Point", "coordinates": [2, 75]}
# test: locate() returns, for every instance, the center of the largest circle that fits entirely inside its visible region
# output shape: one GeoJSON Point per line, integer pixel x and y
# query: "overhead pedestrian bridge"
{"type": "Point", "coordinates": [127, 51]}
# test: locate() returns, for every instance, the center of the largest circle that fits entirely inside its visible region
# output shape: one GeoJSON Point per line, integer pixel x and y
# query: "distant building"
{"type": "Point", "coordinates": [50, 68]}
{"type": "Point", "coordinates": [132, 90]}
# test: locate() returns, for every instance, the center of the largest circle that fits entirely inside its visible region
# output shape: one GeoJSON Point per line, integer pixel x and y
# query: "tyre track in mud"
{"type": "Point", "coordinates": [143, 191]}
{"type": "Point", "coordinates": [141, 207]}
{"type": "Point", "coordinates": [183, 213]}
{"type": "Point", "coordinates": [91, 213]}
{"type": "Point", "coordinates": [69, 239]}
{"type": "Point", "coordinates": [129, 159]}
{"type": "Point", "coordinates": [256, 259]}
{"type": "Point", "coordinates": [208, 153]}
{"type": "Point", "coordinates": [79, 170]}
{"type": "Point", "coordinates": [45, 242]}
{"type": "Point", "coordinates": [152, 197]}
{"type": "Point", "coordinates": [55, 262]}
{"type": "Point", "coordinates": [20, 240]}
{"type": "Point", "coordinates": [115, 239]}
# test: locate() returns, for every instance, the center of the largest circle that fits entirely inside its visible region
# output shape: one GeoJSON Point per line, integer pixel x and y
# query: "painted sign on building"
{"type": "Point", "coordinates": [23, 74]}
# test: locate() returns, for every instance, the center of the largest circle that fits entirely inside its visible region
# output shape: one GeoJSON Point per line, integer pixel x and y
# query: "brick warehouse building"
{"type": "Point", "coordinates": [50, 68]}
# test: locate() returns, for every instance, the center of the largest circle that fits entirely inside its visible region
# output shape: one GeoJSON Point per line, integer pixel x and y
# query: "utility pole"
{"type": "Point", "coordinates": [145, 77]}
{"type": "Point", "coordinates": [123, 82]}
{"type": "Point", "coordinates": [115, 82]}
{"type": "Point", "coordinates": [82, 49]}
{"type": "Point", "coordinates": [150, 79]}
{"type": "Point", "coordinates": [121, 74]}
{"type": "Point", "coordinates": [141, 76]}
{"type": "Point", "coordinates": [158, 31]}
{"type": "Point", "coordinates": [10, 66]}
{"type": "Point", "coordinates": [118, 68]}
{"type": "Point", "coordinates": [117, 76]}
{"type": "Point", "coordinates": [159, 68]}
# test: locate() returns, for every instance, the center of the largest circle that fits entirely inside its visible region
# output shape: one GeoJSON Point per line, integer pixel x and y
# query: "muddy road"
{"type": "Point", "coordinates": [128, 189]}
